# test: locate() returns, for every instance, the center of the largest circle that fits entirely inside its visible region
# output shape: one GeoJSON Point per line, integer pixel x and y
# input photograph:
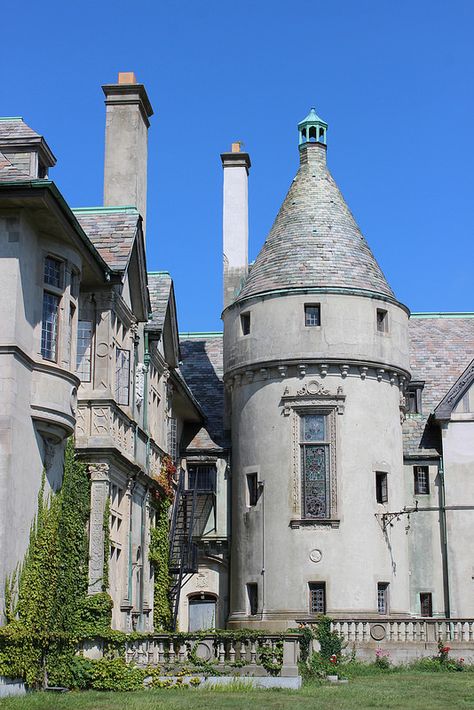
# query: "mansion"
{"type": "Point", "coordinates": [323, 443]}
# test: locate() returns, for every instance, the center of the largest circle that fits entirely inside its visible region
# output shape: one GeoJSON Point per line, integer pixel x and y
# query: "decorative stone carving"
{"type": "Point", "coordinates": [140, 383]}
{"type": "Point", "coordinates": [49, 451]}
{"type": "Point", "coordinates": [302, 370]}
{"type": "Point", "coordinates": [315, 555]}
{"type": "Point", "coordinates": [101, 421]}
{"type": "Point", "coordinates": [202, 580]}
{"type": "Point", "coordinates": [323, 369]}
{"type": "Point", "coordinates": [363, 372]}
{"type": "Point", "coordinates": [249, 375]}
{"type": "Point", "coordinates": [344, 370]}
{"type": "Point", "coordinates": [73, 400]}
{"type": "Point", "coordinates": [380, 374]}
{"type": "Point", "coordinates": [378, 632]}
{"type": "Point", "coordinates": [99, 474]}
{"type": "Point", "coordinates": [282, 370]}
{"type": "Point", "coordinates": [263, 373]}
{"type": "Point", "coordinates": [312, 388]}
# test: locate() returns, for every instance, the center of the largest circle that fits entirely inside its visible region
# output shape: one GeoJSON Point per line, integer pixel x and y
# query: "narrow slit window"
{"type": "Point", "coordinates": [312, 315]}
{"type": "Point", "coordinates": [49, 326]}
{"type": "Point", "coordinates": [381, 487]}
{"type": "Point", "coordinates": [382, 320]}
{"type": "Point", "coordinates": [245, 323]}
{"type": "Point", "coordinates": [252, 489]}
{"type": "Point", "coordinates": [317, 597]}
{"type": "Point", "coordinates": [426, 604]}
{"type": "Point", "coordinates": [382, 598]}
{"type": "Point", "coordinates": [252, 598]}
{"type": "Point", "coordinates": [422, 480]}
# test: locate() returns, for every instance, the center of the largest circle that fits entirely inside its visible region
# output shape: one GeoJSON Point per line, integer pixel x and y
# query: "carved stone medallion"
{"type": "Point", "coordinates": [315, 555]}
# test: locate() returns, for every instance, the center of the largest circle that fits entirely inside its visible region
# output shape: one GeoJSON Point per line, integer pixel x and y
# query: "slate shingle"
{"type": "Point", "coordinates": [315, 241]}
{"type": "Point", "coordinates": [112, 233]}
{"type": "Point", "coordinates": [159, 288]}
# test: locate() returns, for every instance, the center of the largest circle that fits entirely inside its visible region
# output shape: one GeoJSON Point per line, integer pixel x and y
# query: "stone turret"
{"type": "Point", "coordinates": [315, 362]}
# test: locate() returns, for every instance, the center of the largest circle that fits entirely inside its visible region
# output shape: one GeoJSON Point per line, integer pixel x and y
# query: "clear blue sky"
{"type": "Point", "coordinates": [394, 80]}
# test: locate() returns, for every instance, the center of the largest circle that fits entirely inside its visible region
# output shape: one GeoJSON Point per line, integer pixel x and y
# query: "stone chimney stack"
{"type": "Point", "coordinates": [126, 143]}
{"type": "Point", "coordinates": [235, 221]}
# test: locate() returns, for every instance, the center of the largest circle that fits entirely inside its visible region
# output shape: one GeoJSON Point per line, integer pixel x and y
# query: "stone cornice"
{"type": "Point", "coordinates": [39, 366]}
{"type": "Point", "coordinates": [319, 367]}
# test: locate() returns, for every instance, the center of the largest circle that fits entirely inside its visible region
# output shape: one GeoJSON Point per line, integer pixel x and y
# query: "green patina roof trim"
{"type": "Point", "coordinates": [312, 117]}
{"type": "Point", "coordinates": [11, 118]}
{"type": "Point", "coordinates": [159, 273]}
{"type": "Point", "coordinates": [446, 314]}
{"type": "Point", "coordinates": [105, 210]}
{"type": "Point", "coordinates": [208, 334]}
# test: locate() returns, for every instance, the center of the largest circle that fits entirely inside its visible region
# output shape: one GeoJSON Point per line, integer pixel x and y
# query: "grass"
{"type": "Point", "coordinates": [403, 691]}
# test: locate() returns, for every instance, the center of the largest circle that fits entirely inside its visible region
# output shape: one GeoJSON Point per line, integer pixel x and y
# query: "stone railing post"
{"type": "Point", "coordinates": [291, 646]}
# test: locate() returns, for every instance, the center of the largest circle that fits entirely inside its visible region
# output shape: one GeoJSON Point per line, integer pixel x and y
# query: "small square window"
{"type": "Point", "coordinates": [312, 315]}
{"type": "Point", "coordinates": [381, 487]}
{"type": "Point", "coordinates": [317, 597]}
{"type": "Point", "coordinates": [382, 320]}
{"type": "Point", "coordinates": [252, 598]}
{"type": "Point", "coordinates": [422, 480]}
{"type": "Point", "coordinates": [245, 323]}
{"type": "Point", "coordinates": [252, 489]}
{"type": "Point", "coordinates": [382, 597]}
{"type": "Point", "coordinates": [426, 604]}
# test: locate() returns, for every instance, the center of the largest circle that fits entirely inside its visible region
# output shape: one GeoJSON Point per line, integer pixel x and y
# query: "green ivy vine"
{"type": "Point", "coordinates": [158, 555]}
{"type": "Point", "coordinates": [106, 529]}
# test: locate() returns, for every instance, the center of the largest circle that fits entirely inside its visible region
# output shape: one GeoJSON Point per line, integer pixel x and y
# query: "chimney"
{"type": "Point", "coordinates": [235, 221]}
{"type": "Point", "coordinates": [126, 143]}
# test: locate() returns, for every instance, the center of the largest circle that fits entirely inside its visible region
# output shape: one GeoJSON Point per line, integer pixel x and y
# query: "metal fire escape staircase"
{"type": "Point", "coordinates": [191, 510]}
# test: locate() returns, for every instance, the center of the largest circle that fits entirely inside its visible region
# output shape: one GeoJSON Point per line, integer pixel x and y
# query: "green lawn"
{"type": "Point", "coordinates": [407, 691]}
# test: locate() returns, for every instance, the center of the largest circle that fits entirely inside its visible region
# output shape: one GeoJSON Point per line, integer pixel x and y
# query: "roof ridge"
{"type": "Point", "coordinates": [130, 209]}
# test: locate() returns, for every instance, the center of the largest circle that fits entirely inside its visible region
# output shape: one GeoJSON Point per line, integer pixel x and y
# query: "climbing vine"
{"type": "Point", "coordinates": [47, 607]}
{"type": "Point", "coordinates": [159, 557]}
{"type": "Point", "coordinates": [106, 529]}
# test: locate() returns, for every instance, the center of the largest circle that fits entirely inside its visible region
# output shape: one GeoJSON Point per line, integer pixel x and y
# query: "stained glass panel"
{"type": "Point", "coordinates": [315, 481]}
{"type": "Point", "coordinates": [314, 427]}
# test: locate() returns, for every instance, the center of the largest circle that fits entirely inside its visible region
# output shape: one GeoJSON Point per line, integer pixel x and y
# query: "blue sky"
{"type": "Point", "coordinates": [392, 79]}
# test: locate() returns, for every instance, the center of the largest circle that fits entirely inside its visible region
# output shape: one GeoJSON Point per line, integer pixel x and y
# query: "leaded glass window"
{"type": "Point", "coordinates": [49, 326]}
{"type": "Point", "coordinates": [52, 272]}
{"type": "Point", "coordinates": [317, 597]}
{"type": "Point", "coordinates": [382, 597]}
{"type": "Point", "coordinates": [122, 376]}
{"type": "Point", "coordinates": [315, 466]}
{"type": "Point", "coordinates": [422, 480]}
{"type": "Point", "coordinates": [84, 350]}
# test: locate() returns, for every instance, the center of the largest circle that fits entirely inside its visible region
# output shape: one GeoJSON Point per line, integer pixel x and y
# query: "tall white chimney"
{"type": "Point", "coordinates": [126, 143]}
{"type": "Point", "coordinates": [235, 221]}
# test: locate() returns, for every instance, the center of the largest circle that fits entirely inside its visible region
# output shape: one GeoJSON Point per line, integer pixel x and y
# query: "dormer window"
{"type": "Point", "coordinates": [42, 170]}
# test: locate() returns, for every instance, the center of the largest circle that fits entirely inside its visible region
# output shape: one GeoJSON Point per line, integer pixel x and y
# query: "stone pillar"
{"type": "Point", "coordinates": [291, 645]}
{"type": "Point", "coordinates": [99, 475]}
{"type": "Point", "coordinates": [235, 221]}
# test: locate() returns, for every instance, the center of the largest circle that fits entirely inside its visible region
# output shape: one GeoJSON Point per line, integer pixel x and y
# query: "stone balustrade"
{"type": "Point", "coordinates": [229, 653]}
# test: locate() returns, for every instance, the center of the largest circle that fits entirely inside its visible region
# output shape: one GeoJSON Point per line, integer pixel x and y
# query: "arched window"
{"type": "Point", "coordinates": [312, 134]}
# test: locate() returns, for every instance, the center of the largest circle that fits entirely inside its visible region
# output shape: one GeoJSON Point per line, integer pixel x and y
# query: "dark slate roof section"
{"type": "Point", "coordinates": [9, 173]}
{"type": "Point", "coordinates": [159, 287]}
{"type": "Point", "coordinates": [441, 347]}
{"type": "Point", "coordinates": [15, 129]}
{"type": "Point", "coordinates": [315, 241]}
{"type": "Point", "coordinates": [112, 230]}
{"type": "Point", "coordinates": [203, 369]}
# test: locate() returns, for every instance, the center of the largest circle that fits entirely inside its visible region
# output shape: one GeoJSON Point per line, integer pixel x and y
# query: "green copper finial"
{"type": "Point", "coordinates": [312, 129]}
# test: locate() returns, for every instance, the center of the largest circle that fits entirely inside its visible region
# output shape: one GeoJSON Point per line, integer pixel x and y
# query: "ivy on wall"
{"type": "Point", "coordinates": [106, 529]}
{"type": "Point", "coordinates": [158, 555]}
{"type": "Point", "coordinates": [50, 608]}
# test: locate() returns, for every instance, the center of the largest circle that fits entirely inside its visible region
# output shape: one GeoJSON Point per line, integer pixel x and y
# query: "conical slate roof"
{"type": "Point", "coordinates": [315, 241]}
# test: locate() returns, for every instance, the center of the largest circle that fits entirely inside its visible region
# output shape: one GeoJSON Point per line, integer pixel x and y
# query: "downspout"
{"type": "Point", "coordinates": [444, 538]}
{"type": "Point", "coordinates": [146, 362]}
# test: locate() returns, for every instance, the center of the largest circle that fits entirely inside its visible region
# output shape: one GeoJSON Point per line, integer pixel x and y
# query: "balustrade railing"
{"type": "Point", "coordinates": [402, 630]}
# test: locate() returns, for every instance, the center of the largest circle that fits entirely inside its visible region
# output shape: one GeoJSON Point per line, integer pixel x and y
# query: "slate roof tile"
{"type": "Point", "coordinates": [112, 233]}
{"type": "Point", "coordinates": [159, 287]}
{"type": "Point", "coordinates": [202, 367]}
{"type": "Point", "coordinates": [315, 241]}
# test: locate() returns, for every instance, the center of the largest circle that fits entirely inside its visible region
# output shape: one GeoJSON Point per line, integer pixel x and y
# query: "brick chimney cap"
{"type": "Point", "coordinates": [127, 77]}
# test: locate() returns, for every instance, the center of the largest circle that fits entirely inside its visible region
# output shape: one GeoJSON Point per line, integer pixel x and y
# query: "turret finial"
{"type": "Point", "coordinates": [312, 129]}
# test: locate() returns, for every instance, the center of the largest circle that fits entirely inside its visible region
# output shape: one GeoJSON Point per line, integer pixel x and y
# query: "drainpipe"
{"type": "Point", "coordinates": [444, 538]}
{"type": "Point", "coordinates": [146, 362]}
{"type": "Point", "coordinates": [261, 485]}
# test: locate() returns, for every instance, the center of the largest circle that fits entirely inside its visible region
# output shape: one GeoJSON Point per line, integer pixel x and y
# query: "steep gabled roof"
{"type": "Point", "coordinates": [159, 287]}
{"type": "Point", "coordinates": [449, 401]}
{"type": "Point", "coordinates": [112, 230]}
{"type": "Point", "coordinates": [202, 367]}
{"type": "Point", "coordinates": [315, 241]}
{"type": "Point", "coordinates": [441, 348]}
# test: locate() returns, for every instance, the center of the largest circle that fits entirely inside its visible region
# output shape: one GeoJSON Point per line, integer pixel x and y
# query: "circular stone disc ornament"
{"type": "Point", "coordinates": [315, 555]}
{"type": "Point", "coordinates": [377, 631]}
